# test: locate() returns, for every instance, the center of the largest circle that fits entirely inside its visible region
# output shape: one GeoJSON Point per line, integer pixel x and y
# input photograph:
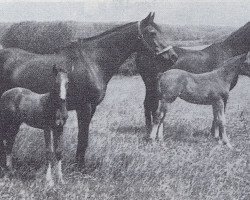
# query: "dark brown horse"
{"type": "Point", "coordinates": [189, 60]}
{"type": "Point", "coordinates": [95, 60]}
{"type": "Point", "coordinates": [44, 111]}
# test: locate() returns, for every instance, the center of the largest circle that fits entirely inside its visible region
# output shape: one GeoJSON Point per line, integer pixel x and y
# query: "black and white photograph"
{"type": "Point", "coordinates": [125, 100]}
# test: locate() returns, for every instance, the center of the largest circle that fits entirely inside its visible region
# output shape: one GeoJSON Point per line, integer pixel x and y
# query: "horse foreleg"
{"type": "Point", "coordinates": [84, 115]}
{"type": "Point", "coordinates": [147, 112]}
{"type": "Point", "coordinates": [58, 146]}
{"type": "Point", "coordinates": [48, 136]}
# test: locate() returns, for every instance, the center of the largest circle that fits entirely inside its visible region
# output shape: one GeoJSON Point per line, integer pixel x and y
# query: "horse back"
{"type": "Point", "coordinates": [201, 61]}
{"type": "Point", "coordinates": [19, 68]}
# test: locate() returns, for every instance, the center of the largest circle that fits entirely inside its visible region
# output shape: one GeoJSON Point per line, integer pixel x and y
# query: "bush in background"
{"type": "Point", "coordinates": [38, 37]}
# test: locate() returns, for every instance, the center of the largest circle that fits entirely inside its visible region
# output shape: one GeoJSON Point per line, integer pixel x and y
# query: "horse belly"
{"type": "Point", "coordinates": [198, 93]}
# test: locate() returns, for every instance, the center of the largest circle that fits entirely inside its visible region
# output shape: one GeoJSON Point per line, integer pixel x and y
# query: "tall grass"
{"type": "Point", "coordinates": [189, 164]}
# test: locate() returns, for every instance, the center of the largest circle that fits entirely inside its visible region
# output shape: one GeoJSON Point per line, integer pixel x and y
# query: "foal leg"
{"type": "Point", "coordinates": [10, 139]}
{"type": "Point", "coordinates": [221, 120]}
{"type": "Point", "coordinates": [215, 127]}
{"type": "Point", "coordinates": [58, 145]}
{"type": "Point", "coordinates": [163, 110]}
{"type": "Point", "coordinates": [158, 119]}
{"type": "Point", "coordinates": [48, 136]}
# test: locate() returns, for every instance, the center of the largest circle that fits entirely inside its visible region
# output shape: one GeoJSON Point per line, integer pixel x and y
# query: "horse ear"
{"type": "Point", "coordinates": [146, 21]}
{"type": "Point", "coordinates": [152, 17]}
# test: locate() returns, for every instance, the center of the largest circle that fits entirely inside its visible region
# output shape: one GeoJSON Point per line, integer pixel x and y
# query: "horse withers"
{"type": "Point", "coordinates": [44, 111]}
{"type": "Point", "coordinates": [211, 88]}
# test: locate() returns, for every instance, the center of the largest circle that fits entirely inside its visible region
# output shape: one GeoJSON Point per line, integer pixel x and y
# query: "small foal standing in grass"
{"type": "Point", "coordinates": [210, 88]}
{"type": "Point", "coordinates": [44, 111]}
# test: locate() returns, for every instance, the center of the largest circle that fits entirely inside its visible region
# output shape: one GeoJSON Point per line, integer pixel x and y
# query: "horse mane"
{"type": "Point", "coordinates": [240, 39]}
{"type": "Point", "coordinates": [73, 43]}
{"type": "Point", "coordinates": [115, 29]}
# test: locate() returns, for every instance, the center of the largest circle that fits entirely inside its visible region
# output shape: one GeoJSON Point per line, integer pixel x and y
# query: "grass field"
{"type": "Point", "coordinates": [189, 164]}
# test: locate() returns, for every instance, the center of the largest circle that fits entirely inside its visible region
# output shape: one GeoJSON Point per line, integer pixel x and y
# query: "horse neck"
{"type": "Point", "coordinates": [51, 101]}
{"type": "Point", "coordinates": [111, 50]}
{"type": "Point", "coordinates": [230, 70]}
{"type": "Point", "coordinates": [218, 53]}
{"type": "Point", "coordinates": [239, 40]}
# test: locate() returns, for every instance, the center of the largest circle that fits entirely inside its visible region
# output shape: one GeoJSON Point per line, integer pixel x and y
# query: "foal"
{"type": "Point", "coordinates": [44, 111]}
{"type": "Point", "coordinates": [210, 88]}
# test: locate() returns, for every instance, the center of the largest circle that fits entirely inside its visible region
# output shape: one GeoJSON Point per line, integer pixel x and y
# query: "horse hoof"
{"type": "Point", "coordinates": [229, 145]}
{"type": "Point", "coordinates": [220, 142]}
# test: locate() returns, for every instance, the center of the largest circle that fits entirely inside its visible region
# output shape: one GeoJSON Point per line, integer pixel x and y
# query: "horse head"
{"type": "Point", "coordinates": [151, 39]}
{"type": "Point", "coordinates": [60, 94]}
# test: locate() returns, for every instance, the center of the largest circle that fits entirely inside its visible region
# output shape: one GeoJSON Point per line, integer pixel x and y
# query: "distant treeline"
{"type": "Point", "coordinates": [46, 37]}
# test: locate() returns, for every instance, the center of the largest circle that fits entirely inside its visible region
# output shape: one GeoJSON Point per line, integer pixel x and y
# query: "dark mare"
{"type": "Point", "coordinates": [211, 88]}
{"type": "Point", "coordinates": [95, 60]}
{"type": "Point", "coordinates": [44, 111]}
{"type": "Point", "coordinates": [192, 61]}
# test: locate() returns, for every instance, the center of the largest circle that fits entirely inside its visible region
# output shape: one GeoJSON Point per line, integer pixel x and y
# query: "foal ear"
{"type": "Point", "coordinates": [55, 70]}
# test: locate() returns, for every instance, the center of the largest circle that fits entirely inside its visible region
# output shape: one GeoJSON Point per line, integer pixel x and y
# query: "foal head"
{"type": "Point", "coordinates": [59, 95]}
{"type": "Point", "coordinates": [151, 39]}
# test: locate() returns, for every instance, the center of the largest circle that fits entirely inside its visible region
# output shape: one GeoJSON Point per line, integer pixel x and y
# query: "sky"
{"type": "Point", "coordinates": [181, 12]}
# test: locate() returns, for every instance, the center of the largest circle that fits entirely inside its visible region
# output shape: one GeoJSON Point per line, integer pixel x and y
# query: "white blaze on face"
{"type": "Point", "coordinates": [63, 89]}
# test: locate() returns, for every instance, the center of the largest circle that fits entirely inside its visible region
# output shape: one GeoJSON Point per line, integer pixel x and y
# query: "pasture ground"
{"type": "Point", "coordinates": [189, 164]}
